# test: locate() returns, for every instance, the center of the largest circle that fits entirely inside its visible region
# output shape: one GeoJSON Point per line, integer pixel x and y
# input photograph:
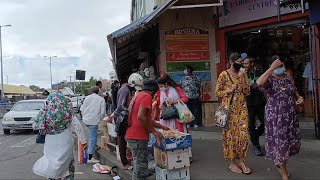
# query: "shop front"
{"type": "Point", "coordinates": [253, 27]}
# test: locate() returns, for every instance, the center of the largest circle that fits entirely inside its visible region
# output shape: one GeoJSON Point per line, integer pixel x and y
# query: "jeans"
{"type": "Point", "coordinates": [139, 151]}
{"type": "Point", "coordinates": [194, 106]}
{"type": "Point", "coordinates": [254, 132]}
{"type": "Point", "coordinates": [122, 143]}
{"type": "Point", "coordinates": [93, 135]}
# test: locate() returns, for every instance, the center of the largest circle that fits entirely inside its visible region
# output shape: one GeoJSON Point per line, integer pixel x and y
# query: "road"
{"type": "Point", "coordinates": [18, 153]}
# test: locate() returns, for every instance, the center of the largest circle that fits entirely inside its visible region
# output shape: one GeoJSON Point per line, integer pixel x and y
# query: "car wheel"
{"type": "Point", "coordinates": [6, 131]}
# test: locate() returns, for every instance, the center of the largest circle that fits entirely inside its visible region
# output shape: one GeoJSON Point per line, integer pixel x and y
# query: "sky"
{"type": "Point", "coordinates": [75, 31]}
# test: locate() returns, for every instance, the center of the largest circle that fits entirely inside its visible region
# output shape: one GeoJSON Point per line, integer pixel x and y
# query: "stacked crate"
{"type": "Point", "coordinates": [172, 158]}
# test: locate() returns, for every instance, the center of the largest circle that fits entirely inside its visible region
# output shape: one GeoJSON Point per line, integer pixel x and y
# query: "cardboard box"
{"type": "Point", "coordinates": [208, 112]}
{"type": "Point", "coordinates": [175, 143]}
{"type": "Point", "coordinates": [172, 159]}
{"type": "Point", "coordinates": [104, 142]}
{"type": "Point", "coordinates": [308, 107]}
{"type": "Point", "coordinates": [181, 174]}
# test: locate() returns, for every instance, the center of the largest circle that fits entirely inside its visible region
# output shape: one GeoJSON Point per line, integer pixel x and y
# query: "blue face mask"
{"type": "Point", "coordinates": [185, 71]}
{"type": "Point", "coordinates": [279, 71]}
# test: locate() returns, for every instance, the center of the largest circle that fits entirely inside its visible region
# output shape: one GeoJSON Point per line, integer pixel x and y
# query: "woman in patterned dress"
{"type": "Point", "coordinates": [283, 138]}
{"type": "Point", "coordinates": [236, 138]}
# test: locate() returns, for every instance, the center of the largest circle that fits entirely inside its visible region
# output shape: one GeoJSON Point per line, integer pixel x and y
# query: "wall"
{"type": "Point", "coordinates": [140, 8]}
{"type": "Point", "coordinates": [199, 18]}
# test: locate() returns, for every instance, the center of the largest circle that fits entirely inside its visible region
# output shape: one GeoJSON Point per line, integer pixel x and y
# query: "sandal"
{"type": "Point", "coordinates": [129, 168]}
{"type": "Point", "coordinates": [244, 168]}
{"type": "Point", "coordinates": [235, 169]}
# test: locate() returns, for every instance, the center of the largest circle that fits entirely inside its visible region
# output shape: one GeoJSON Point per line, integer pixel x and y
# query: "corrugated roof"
{"type": "Point", "coordinates": [13, 89]}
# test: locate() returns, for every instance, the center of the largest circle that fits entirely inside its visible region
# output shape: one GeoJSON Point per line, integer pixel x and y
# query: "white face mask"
{"type": "Point", "coordinates": [164, 88]}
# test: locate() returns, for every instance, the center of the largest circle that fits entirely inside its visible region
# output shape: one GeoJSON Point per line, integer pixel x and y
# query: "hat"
{"type": "Point", "coordinates": [244, 55]}
{"type": "Point", "coordinates": [150, 85]}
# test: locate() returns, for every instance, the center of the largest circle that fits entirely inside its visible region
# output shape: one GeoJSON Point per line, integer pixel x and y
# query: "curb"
{"type": "Point", "coordinates": [110, 159]}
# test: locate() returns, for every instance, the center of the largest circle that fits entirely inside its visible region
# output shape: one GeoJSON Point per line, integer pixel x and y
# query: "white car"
{"type": "Point", "coordinates": [22, 115]}
{"type": "Point", "coordinates": [77, 102]}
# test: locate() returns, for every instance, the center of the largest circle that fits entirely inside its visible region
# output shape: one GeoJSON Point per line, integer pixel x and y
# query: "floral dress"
{"type": "Point", "coordinates": [283, 138]}
{"type": "Point", "coordinates": [236, 138]}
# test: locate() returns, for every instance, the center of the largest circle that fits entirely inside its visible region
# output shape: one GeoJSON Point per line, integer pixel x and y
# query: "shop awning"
{"type": "Point", "coordinates": [124, 43]}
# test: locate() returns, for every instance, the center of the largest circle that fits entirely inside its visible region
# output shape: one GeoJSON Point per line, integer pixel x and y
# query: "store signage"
{"type": "Point", "coordinates": [180, 66]}
{"type": "Point", "coordinates": [188, 55]}
{"type": "Point", "coordinates": [240, 11]}
{"type": "Point", "coordinates": [187, 45]}
{"type": "Point", "coordinates": [203, 76]}
{"type": "Point", "coordinates": [186, 31]}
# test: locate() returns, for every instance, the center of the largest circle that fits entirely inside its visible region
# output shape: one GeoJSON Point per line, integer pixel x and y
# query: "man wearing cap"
{"type": "Point", "coordinates": [124, 95]}
{"type": "Point", "coordinates": [256, 103]}
{"type": "Point", "coordinates": [140, 125]}
{"type": "Point", "coordinates": [93, 111]}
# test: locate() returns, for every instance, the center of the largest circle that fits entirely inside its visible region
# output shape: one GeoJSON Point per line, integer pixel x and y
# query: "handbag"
{"type": "Point", "coordinates": [169, 112]}
{"type": "Point", "coordinates": [222, 114]}
{"type": "Point", "coordinates": [40, 139]}
{"type": "Point", "coordinates": [185, 115]}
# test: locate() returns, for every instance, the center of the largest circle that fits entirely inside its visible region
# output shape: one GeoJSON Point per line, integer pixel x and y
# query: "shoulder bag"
{"type": "Point", "coordinates": [222, 114]}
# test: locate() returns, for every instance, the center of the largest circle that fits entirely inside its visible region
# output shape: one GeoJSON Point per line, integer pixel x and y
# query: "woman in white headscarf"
{"type": "Point", "coordinates": [56, 122]}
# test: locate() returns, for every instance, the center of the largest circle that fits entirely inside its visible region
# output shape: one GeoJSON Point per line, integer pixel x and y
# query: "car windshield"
{"type": "Point", "coordinates": [28, 106]}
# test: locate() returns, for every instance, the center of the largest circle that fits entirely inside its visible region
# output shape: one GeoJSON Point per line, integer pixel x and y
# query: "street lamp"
{"type": "Point", "coordinates": [50, 57]}
{"type": "Point", "coordinates": [2, 88]}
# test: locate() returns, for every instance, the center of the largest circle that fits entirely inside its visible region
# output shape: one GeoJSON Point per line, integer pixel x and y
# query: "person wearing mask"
{"type": "Point", "coordinates": [114, 93]}
{"type": "Point", "coordinates": [57, 122]}
{"type": "Point", "coordinates": [99, 84]}
{"type": "Point", "coordinates": [256, 102]}
{"type": "Point", "coordinates": [283, 138]}
{"type": "Point", "coordinates": [135, 83]}
{"type": "Point", "coordinates": [93, 111]}
{"type": "Point", "coordinates": [191, 85]}
{"type": "Point", "coordinates": [140, 125]}
{"type": "Point", "coordinates": [234, 83]}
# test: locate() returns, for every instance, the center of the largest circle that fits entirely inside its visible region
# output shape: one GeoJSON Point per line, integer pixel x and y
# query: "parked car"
{"type": "Point", "coordinates": [22, 115]}
{"type": "Point", "coordinates": [77, 102]}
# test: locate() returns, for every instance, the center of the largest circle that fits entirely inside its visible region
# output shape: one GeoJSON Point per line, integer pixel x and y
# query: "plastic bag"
{"type": "Point", "coordinates": [98, 168]}
{"type": "Point", "coordinates": [185, 115]}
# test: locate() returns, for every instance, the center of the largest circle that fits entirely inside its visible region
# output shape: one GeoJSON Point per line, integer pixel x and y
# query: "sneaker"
{"type": "Point", "coordinates": [258, 151]}
{"type": "Point", "coordinates": [196, 126]}
{"type": "Point", "coordinates": [93, 160]}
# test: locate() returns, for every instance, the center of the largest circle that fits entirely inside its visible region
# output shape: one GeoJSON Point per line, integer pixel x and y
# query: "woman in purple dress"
{"type": "Point", "coordinates": [283, 137]}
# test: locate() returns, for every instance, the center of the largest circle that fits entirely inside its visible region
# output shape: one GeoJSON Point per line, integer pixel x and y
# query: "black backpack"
{"type": "Point", "coordinates": [122, 122]}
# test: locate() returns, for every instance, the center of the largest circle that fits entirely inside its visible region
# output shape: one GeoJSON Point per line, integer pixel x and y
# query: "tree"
{"type": "Point", "coordinates": [85, 90]}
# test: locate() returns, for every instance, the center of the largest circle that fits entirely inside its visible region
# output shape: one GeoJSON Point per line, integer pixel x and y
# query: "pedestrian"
{"type": "Point", "coordinates": [191, 85]}
{"type": "Point", "coordinates": [108, 101]}
{"type": "Point", "coordinates": [57, 122]}
{"type": "Point", "coordinates": [283, 138]}
{"type": "Point", "coordinates": [99, 84]}
{"type": "Point", "coordinates": [141, 125]}
{"type": "Point", "coordinates": [170, 93]}
{"type": "Point", "coordinates": [114, 91]}
{"type": "Point", "coordinates": [256, 102]}
{"type": "Point", "coordinates": [135, 83]}
{"type": "Point", "coordinates": [93, 111]}
{"type": "Point", "coordinates": [236, 138]}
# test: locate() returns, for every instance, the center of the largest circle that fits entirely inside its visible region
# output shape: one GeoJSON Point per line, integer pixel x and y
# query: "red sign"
{"type": "Point", "coordinates": [206, 97]}
{"type": "Point", "coordinates": [187, 45]}
{"type": "Point", "coordinates": [188, 55]}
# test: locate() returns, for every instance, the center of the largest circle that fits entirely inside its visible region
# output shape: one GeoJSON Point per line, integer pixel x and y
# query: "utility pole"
{"type": "Point", "coordinates": [2, 87]}
{"type": "Point", "coordinates": [70, 81]}
{"type": "Point", "coordinates": [50, 57]}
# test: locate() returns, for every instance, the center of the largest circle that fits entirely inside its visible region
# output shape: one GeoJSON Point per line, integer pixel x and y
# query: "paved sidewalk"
{"type": "Point", "coordinates": [208, 162]}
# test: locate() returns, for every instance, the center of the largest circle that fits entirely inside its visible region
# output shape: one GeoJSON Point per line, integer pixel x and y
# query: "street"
{"type": "Point", "coordinates": [18, 153]}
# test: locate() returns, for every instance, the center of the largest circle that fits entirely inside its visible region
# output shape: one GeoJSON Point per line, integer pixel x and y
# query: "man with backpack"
{"type": "Point", "coordinates": [124, 96]}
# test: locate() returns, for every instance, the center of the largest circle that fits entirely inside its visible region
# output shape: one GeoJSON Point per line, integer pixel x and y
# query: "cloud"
{"type": "Point", "coordinates": [65, 28]}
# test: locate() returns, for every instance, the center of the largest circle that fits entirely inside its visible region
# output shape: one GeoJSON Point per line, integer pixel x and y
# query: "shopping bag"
{"type": "Point", "coordinates": [101, 169]}
{"type": "Point", "coordinates": [82, 154]}
{"type": "Point", "coordinates": [185, 115]}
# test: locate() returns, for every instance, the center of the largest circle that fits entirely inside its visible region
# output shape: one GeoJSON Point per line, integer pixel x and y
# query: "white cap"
{"type": "Point", "coordinates": [136, 80]}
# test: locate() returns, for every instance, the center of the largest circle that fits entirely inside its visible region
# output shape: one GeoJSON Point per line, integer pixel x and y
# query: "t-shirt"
{"type": "Point", "coordinates": [256, 96]}
{"type": "Point", "coordinates": [136, 131]}
{"type": "Point", "coordinates": [308, 75]}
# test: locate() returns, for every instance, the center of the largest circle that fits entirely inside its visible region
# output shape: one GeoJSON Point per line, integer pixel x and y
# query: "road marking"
{"type": "Point", "coordinates": [25, 143]}
{"type": "Point", "coordinates": [9, 139]}
{"type": "Point", "coordinates": [78, 173]}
